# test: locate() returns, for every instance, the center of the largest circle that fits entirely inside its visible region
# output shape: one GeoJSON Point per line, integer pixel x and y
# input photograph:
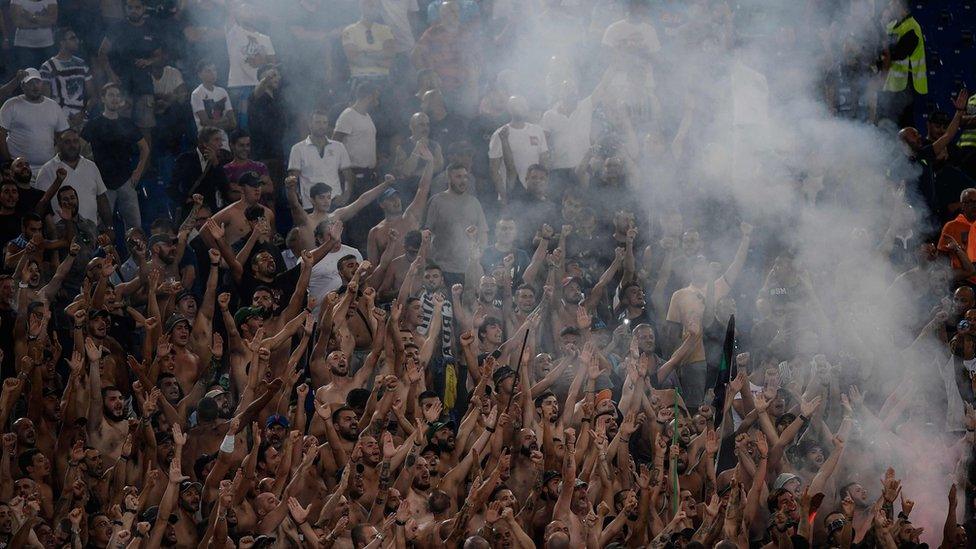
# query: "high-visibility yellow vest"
{"type": "Point", "coordinates": [968, 137]}
{"type": "Point", "coordinates": [914, 64]}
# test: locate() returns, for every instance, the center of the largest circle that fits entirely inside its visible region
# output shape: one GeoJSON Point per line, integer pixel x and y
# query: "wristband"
{"type": "Point", "coordinates": [804, 418]}
{"type": "Point", "coordinates": [401, 522]}
{"type": "Point", "coordinates": [490, 429]}
{"type": "Point", "coordinates": [902, 515]}
{"type": "Point", "coordinates": [227, 446]}
{"type": "Point", "coordinates": [584, 420]}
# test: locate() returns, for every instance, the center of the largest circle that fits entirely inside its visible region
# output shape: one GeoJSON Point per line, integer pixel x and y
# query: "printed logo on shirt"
{"type": "Point", "coordinates": [534, 141]}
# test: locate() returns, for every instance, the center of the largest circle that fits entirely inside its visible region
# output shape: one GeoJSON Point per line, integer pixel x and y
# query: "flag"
{"type": "Point", "coordinates": [726, 373]}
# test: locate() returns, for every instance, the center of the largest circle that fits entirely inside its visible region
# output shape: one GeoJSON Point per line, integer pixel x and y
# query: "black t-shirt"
{"type": "Point", "coordinates": [28, 200]}
{"type": "Point", "coordinates": [9, 227]}
{"type": "Point", "coordinates": [130, 42]}
{"type": "Point", "coordinates": [113, 144]}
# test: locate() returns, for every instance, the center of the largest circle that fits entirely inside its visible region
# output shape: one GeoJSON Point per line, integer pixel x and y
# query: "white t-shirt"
{"type": "Point", "coordinates": [168, 81]}
{"type": "Point", "coordinates": [633, 36]}
{"type": "Point", "coordinates": [214, 103]}
{"type": "Point", "coordinates": [31, 127]}
{"type": "Point", "coordinates": [396, 15]}
{"type": "Point", "coordinates": [569, 135]}
{"type": "Point", "coordinates": [360, 138]}
{"type": "Point", "coordinates": [241, 45]}
{"type": "Point", "coordinates": [325, 274]}
{"type": "Point", "coordinates": [34, 38]}
{"type": "Point", "coordinates": [528, 145]}
{"type": "Point", "coordinates": [85, 179]}
{"type": "Point", "coordinates": [316, 168]}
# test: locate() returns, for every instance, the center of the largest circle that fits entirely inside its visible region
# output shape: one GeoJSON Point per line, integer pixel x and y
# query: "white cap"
{"type": "Point", "coordinates": [30, 75]}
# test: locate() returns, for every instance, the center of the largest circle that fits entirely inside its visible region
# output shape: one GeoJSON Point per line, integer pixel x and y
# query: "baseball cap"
{"type": "Point", "coordinates": [245, 313]}
{"type": "Point", "coordinates": [95, 313]}
{"type": "Point", "coordinates": [438, 425]}
{"type": "Point", "coordinates": [161, 239]}
{"type": "Point", "coordinates": [500, 374]}
{"type": "Point", "coordinates": [173, 320]}
{"type": "Point", "coordinates": [214, 393]}
{"type": "Point", "coordinates": [251, 179]}
{"type": "Point", "coordinates": [549, 475]}
{"type": "Point", "coordinates": [184, 294]}
{"type": "Point", "coordinates": [782, 479]}
{"type": "Point", "coordinates": [30, 74]}
{"type": "Point", "coordinates": [277, 419]}
{"type": "Point", "coordinates": [189, 484]}
{"type": "Point", "coordinates": [389, 193]}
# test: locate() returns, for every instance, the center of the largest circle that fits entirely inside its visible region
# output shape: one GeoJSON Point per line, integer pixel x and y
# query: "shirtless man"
{"type": "Point", "coordinates": [188, 366]}
{"type": "Point", "coordinates": [321, 195]}
{"type": "Point", "coordinates": [396, 271]}
{"type": "Point", "coordinates": [398, 219]}
{"type": "Point", "coordinates": [337, 364]}
{"type": "Point", "coordinates": [107, 422]}
{"type": "Point", "coordinates": [232, 216]}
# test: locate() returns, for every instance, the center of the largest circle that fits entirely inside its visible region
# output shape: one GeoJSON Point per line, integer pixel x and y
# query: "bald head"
{"type": "Point", "coordinates": [559, 540]}
{"type": "Point", "coordinates": [476, 542]}
{"type": "Point", "coordinates": [911, 137]}
{"type": "Point", "coordinates": [518, 108]}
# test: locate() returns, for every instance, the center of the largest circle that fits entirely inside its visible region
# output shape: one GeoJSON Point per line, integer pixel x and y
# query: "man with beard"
{"type": "Point", "coordinates": [686, 310]}
{"type": "Point", "coordinates": [107, 424]}
{"type": "Point", "coordinates": [188, 506]}
{"type": "Point", "coordinates": [19, 172]}
{"type": "Point", "coordinates": [82, 175]}
{"type": "Point", "coordinates": [214, 417]}
{"type": "Point", "coordinates": [166, 255]}
{"type": "Point", "coordinates": [29, 123]}
{"type": "Point", "coordinates": [419, 492]}
{"type": "Point", "coordinates": [527, 465]}
{"type": "Point", "coordinates": [336, 366]}
{"type": "Point", "coordinates": [9, 217]}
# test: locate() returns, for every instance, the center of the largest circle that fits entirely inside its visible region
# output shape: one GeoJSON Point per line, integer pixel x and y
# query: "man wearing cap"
{"type": "Point", "coordinates": [165, 255]}
{"type": "Point", "coordinates": [276, 430]}
{"type": "Point", "coordinates": [236, 225]}
{"type": "Point", "coordinates": [395, 218]}
{"type": "Point", "coordinates": [31, 122]}
{"type": "Point", "coordinates": [188, 367]}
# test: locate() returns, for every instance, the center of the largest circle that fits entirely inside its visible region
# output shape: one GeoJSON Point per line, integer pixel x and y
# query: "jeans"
{"type": "Point", "coordinates": [127, 200]}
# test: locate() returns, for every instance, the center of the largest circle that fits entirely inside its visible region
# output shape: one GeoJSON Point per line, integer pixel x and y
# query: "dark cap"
{"type": "Point", "coordinates": [251, 179]}
{"type": "Point", "coordinates": [150, 514]}
{"type": "Point", "coordinates": [184, 294]}
{"type": "Point", "coordinates": [189, 484]}
{"type": "Point", "coordinates": [501, 373]}
{"type": "Point", "coordinates": [246, 313]}
{"type": "Point", "coordinates": [438, 425]}
{"type": "Point", "coordinates": [277, 419]}
{"type": "Point", "coordinates": [263, 541]}
{"type": "Point", "coordinates": [95, 313]}
{"type": "Point", "coordinates": [173, 320]}
{"type": "Point", "coordinates": [160, 239]}
{"type": "Point", "coordinates": [549, 475]}
{"type": "Point", "coordinates": [388, 194]}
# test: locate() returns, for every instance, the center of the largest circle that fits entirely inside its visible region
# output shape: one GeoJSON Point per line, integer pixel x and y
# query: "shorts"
{"type": "Point", "coordinates": [143, 111]}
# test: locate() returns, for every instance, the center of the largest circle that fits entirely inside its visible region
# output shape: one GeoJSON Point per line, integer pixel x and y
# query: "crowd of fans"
{"type": "Point", "coordinates": [402, 273]}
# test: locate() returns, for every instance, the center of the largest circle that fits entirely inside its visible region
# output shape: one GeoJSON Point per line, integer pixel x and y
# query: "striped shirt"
{"type": "Point", "coordinates": [67, 79]}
